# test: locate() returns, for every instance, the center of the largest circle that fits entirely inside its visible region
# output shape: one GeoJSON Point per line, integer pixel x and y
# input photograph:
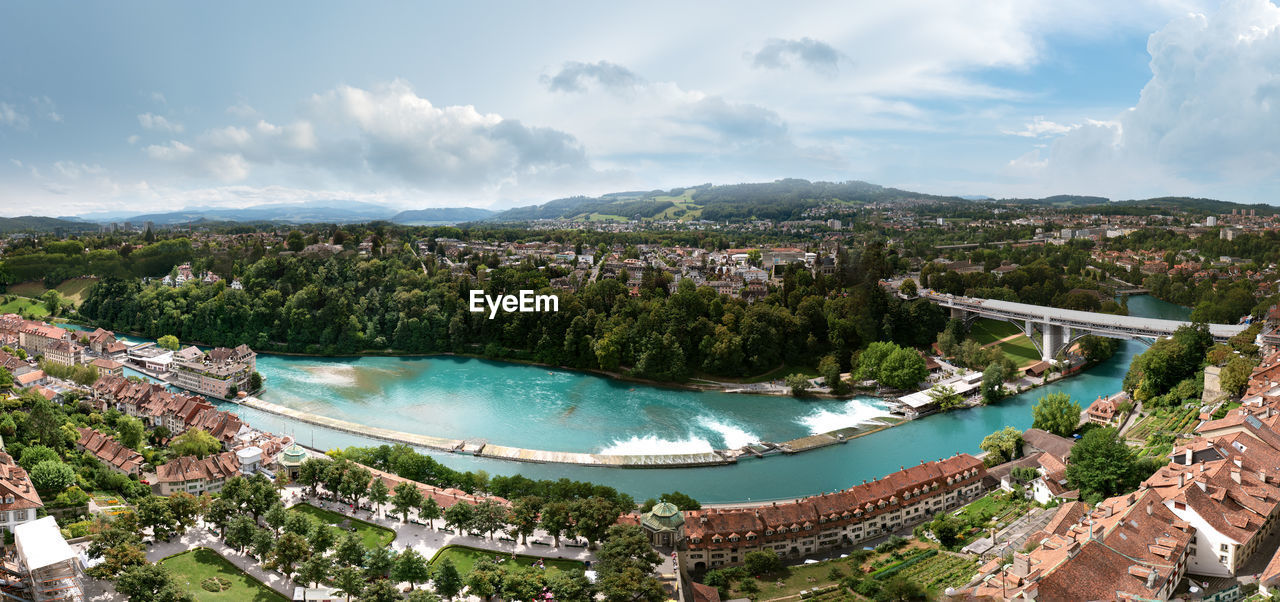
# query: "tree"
{"type": "Point", "coordinates": [1002, 445]}
{"type": "Point", "coordinates": [798, 383]}
{"type": "Point", "coordinates": [131, 431]}
{"type": "Point", "coordinates": [311, 472]}
{"type": "Point", "coordinates": [1235, 375]}
{"type": "Point", "coordinates": [36, 454]}
{"type": "Point", "coordinates": [900, 589]}
{"type": "Point", "coordinates": [290, 549]}
{"type": "Point", "coordinates": [489, 516]}
{"type": "Point", "coordinates": [349, 551]}
{"type": "Point", "coordinates": [380, 591]}
{"type": "Point", "coordinates": [829, 368]}
{"type": "Point", "coordinates": [592, 518]}
{"type": "Point", "coordinates": [556, 520]}
{"type": "Point", "coordinates": [240, 532]}
{"type": "Point", "coordinates": [459, 516]}
{"type": "Point", "coordinates": [908, 288]}
{"type": "Point", "coordinates": [349, 581]}
{"type": "Point", "coordinates": [761, 562]}
{"type": "Point", "coordinates": [902, 369]}
{"type": "Point", "coordinates": [406, 497]}
{"type": "Point", "coordinates": [446, 580]}
{"type": "Point", "coordinates": [195, 442]}
{"type": "Point", "coordinates": [255, 382]}
{"type": "Point", "coordinates": [524, 517]}
{"type": "Point", "coordinates": [185, 508]}
{"type": "Point", "coordinates": [44, 425]}
{"type": "Point", "coordinates": [1056, 413]}
{"type": "Point", "coordinates": [429, 511]}
{"type": "Point", "coordinates": [315, 569]}
{"type": "Point", "coordinates": [993, 383]}
{"type": "Point", "coordinates": [379, 494]}
{"type": "Point", "coordinates": [378, 562]}
{"type": "Point", "coordinates": [412, 567]}
{"type": "Point", "coordinates": [150, 582]}
{"type": "Point", "coordinates": [570, 586]}
{"type": "Point", "coordinates": [294, 241]}
{"type": "Point", "coordinates": [681, 501]}
{"type": "Point", "coordinates": [322, 538]}
{"type": "Point", "coordinates": [169, 342]}
{"type": "Point", "coordinates": [946, 397]}
{"type": "Point", "coordinates": [276, 517]}
{"type": "Point", "coordinates": [1102, 465]}
{"type": "Point", "coordinates": [947, 529]}
{"type": "Point", "coordinates": [52, 476]}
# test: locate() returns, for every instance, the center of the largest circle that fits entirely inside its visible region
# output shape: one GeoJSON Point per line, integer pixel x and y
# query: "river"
{"type": "Point", "coordinates": [568, 411]}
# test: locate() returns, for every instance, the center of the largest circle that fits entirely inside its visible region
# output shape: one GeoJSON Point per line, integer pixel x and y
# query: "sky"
{"type": "Point", "coordinates": [154, 106]}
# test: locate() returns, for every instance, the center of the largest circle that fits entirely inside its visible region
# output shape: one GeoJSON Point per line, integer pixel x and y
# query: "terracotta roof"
{"type": "Point", "coordinates": [190, 468]}
{"type": "Point", "coordinates": [16, 490]}
{"type": "Point", "coordinates": [109, 450]}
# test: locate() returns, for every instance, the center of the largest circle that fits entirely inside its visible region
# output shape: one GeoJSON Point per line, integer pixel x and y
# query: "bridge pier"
{"type": "Point", "coordinates": [1055, 339]}
{"type": "Point", "coordinates": [959, 314]}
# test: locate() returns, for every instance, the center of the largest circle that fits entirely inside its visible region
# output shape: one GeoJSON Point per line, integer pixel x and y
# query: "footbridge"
{"type": "Point", "coordinates": [1061, 327]}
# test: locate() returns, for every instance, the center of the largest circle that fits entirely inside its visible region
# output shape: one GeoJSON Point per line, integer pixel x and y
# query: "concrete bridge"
{"type": "Point", "coordinates": [1061, 327]}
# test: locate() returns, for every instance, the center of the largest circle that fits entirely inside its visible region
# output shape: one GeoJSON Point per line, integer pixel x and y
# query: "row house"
{"type": "Point", "coordinates": [37, 338]}
{"type": "Point", "coordinates": [444, 497]}
{"type": "Point", "coordinates": [117, 457]}
{"type": "Point", "coordinates": [19, 502]}
{"type": "Point", "coordinates": [195, 475]}
{"type": "Point", "coordinates": [723, 536]}
{"type": "Point", "coordinates": [1128, 547]}
{"type": "Point", "coordinates": [156, 406]}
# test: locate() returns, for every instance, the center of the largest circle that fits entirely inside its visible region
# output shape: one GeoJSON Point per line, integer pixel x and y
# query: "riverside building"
{"type": "Point", "coordinates": [722, 536]}
{"type": "Point", "coordinates": [220, 373]}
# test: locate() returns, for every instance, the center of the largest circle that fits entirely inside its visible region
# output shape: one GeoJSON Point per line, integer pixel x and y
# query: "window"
{"type": "Point", "coordinates": [1222, 559]}
{"type": "Point", "coordinates": [4, 516]}
{"type": "Point", "coordinates": [19, 515]}
{"type": "Point", "coordinates": [1224, 547]}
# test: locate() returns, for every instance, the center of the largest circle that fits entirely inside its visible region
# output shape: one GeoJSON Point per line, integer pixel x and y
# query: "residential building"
{"type": "Point", "coordinates": [108, 366]}
{"type": "Point", "coordinates": [723, 536]}
{"type": "Point", "coordinates": [117, 457]}
{"type": "Point", "coordinates": [218, 373]}
{"type": "Point", "coordinates": [1106, 410]}
{"type": "Point", "coordinates": [65, 353]}
{"type": "Point", "coordinates": [194, 475]}
{"type": "Point", "coordinates": [19, 501]}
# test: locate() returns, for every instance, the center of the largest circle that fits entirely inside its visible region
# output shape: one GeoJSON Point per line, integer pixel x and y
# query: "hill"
{"type": "Point", "coordinates": [36, 223]}
{"type": "Point", "coordinates": [435, 216]}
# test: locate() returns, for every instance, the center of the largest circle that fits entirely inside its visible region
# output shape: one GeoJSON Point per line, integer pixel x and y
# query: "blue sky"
{"type": "Point", "coordinates": [156, 105]}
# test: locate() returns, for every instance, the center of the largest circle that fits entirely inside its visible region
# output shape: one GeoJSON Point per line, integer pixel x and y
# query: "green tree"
{"type": "Point", "coordinates": [556, 520]}
{"type": "Point", "coordinates": [946, 397]}
{"type": "Point", "coordinates": [1002, 445]}
{"type": "Point", "coordinates": [349, 581]}
{"type": "Point", "coordinates": [908, 288]}
{"type": "Point", "coordinates": [294, 241]}
{"type": "Point", "coordinates": [429, 510]}
{"type": "Point", "coordinates": [625, 566]}
{"type": "Point", "coordinates": [169, 342]}
{"type": "Point", "coordinates": [195, 442]}
{"type": "Point", "coordinates": [255, 382]}
{"type": "Point", "coordinates": [131, 431]}
{"type": "Point", "coordinates": [798, 383]}
{"type": "Point", "coordinates": [592, 518]}
{"type": "Point", "coordinates": [264, 541]}
{"type": "Point", "coordinates": [903, 369]}
{"type": "Point", "coordinates": [993, 384]}
{"type": "Point", "coordinates": [405, 498]}
{"type": "Point", "coordinates": [240, 532]}
{"type": "Point", "coordinates": [150, 582]}
{"type": "Point", "coordinates": [901, 589]}
{"type": "Point", "coordinates": [445, 580]}
{"type": "Point", "coordinates": [412, 567]}
{"type": "Point", "coordinates": [380, 591]}
{"type": "Point", "coordinates": [1234, 377]}
{"type": "Point", "coordinates": [681, 500]}
{"type": "Point", "coordinates": [524, 517]}
{"type": "Point", "coordinates": [315, 569]}
{"type": "Point", "coordinates": [829, 368]}
{"type": "Point", "coordinates": [52, 476]}
{"type": "Point", "coordinates": [153, 513]}
{"type": "Point", "coordinates": [459, 517]}
{"type": "Point", "coordinates": [291, 548]}
{"type": "Point", "coordinates": [947, 529]}
{"type": "Point", "coordinates": [36, 454]}
{"type": "Point", "coordinates": [761, 562]}
{"type": "Point", "coordinates": [1102, 465]}
{"type": "Point", "coordinates": [489, 516]}
{"type": "Point", "coordinates": [1056, 413]}
{"type": "Point", "coordinates": [349, 551]}
{"type": "Point", "coordinates": [379, 494]}
{"type": "Point", "coordinates": [185, 508]}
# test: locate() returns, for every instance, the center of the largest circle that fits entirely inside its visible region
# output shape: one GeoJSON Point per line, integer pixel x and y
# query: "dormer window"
{"type": "Point", "coordinates": [696, 540]}
{"type": "Point", "coordinates": [735, 538]}
{"type": "Point", "coordinates": [768, 533]}
{"type": "Point", "coordinates": [716, 539]}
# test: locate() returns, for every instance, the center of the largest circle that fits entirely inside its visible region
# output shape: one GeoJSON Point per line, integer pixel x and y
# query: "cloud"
{"type": "Point", "coordinates": [779, 54]}
{"type": "Point", "coordinates": [10, 116]}
{"type": "Point", "coordinates": [1205, 123]}
{"type": "Point", "coordinates": [242, 110]}
{"type": "Point", "coordinates": [158, 97]}
{"type": "Point", "coordinates": [44, 106]}
{"type": "Point", "coordinates": [1039, 127]}
{"type": "Point", "coordinates": [226, 167]}
{"type": "Point", "coordinates": [152, 121]}
{"type": "Point", "coordinates": [574, 77]}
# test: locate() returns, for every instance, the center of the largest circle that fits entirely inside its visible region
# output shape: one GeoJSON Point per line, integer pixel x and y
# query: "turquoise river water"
{"type": "Point", "coordinates": [538, 408]}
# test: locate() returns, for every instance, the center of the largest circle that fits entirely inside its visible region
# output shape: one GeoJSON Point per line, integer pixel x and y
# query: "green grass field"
{"type": "Point", "coordinates": [464, 558]}
{"type": "Point", "coordinates": [75, 289]}
{"type": "Point", "coordinates": [24, 306]}
{"type": "Point", "coordinates": [190, 569]}
{"type": "Point", "coordinates": [1021, 350]}
{"type": "Point", "coordinates": [373, 536]}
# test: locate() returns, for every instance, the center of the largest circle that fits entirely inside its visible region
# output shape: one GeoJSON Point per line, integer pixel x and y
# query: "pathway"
{"type": "Point", "coordinates": [428, 541]}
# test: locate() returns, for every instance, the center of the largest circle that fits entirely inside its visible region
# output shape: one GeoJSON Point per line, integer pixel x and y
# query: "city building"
{"type": "Point", "coordinates": [117, 457]}
{"type": "Point", "coordinates": [219, 373]}
{"type": "Point", "coordinates": [195, 475]}
{"type": "Point", "coordinates": [19, 501]}
{"type": "Point", "coordinates": [723, 536]}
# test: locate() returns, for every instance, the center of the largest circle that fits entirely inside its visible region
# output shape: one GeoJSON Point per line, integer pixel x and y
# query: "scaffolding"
{"type": "Point", "coordinates": [51, 567]}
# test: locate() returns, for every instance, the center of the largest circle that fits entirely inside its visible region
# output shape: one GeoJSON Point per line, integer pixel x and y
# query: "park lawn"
{"type": "Point", "coordinates": [464, 558]}
{"type": "Point", "coordinates": [191, 568]}
{"type": "Point", "coordinates": [24, 306]}
{"type": "Point", "coordinates": [986, 331]}
{"type": "Point", "coordinates": [373, 536]}
{"type": "Point", "coordinates": [791, 580]}
{"type": "Point", "coordinates": [1021, 350]}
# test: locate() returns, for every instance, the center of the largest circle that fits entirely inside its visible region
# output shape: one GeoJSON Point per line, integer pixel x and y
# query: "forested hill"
{"type": "Point", "coordinates": [441, 215]}
{"type": "Point", "coordinates": [780, 200]}
{"type": "Point", "coordinates": [1153, 206]}
{"type": "Point", "coordinates": [37, 223]}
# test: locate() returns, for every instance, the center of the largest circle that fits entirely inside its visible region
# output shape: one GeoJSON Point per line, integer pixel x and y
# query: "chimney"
{"type": "Point", "coordinates": [1151, 578]}
{"type": "Point", "coordinates": [1235, 476]}
{"type": "Point", "coordinates": [1182, 480]}
{"type": "Point", "coordinates": [1150, 507]}
{"type": "Point", "coordinates": [1187, 457]}
{"type": "Point", "coordinates": [1262, 475]}
{"type": "Point", "coordinates": [1106, 511]}
{"type": "Point", "coordinates": [1021, 564]}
